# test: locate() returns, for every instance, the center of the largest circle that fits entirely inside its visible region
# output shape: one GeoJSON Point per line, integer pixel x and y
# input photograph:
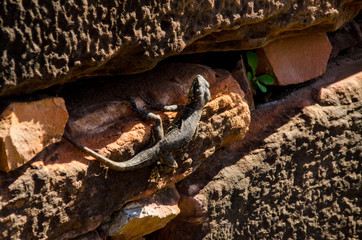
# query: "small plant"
{"type": "Point", "coordinates": [258, 81]}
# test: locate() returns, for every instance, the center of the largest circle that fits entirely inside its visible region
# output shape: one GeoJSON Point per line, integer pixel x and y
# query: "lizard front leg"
{"type": "Point", "coordinates": [158, 133]}
{"type": "Point", "coordinates": [168, 159]}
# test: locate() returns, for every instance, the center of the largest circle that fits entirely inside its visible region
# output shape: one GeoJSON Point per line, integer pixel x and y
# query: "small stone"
{"type": "Point", "coordinates": [144, 216]}
{"type": "Point", "coordinates": [297, 59]}
{"type": "Point", "coordinates": [26, 128]}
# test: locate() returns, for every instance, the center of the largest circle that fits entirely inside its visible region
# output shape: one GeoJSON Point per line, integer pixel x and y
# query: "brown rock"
{"type": "Point", "coordinates": [26, 128]}
{"type": "Point", "coordinates": [68, 194]}
{"type": "Point", "coordinates": [296, 59]}
{"type": "Point", "coordinates": [239, 73]}
{"type": "Point", "coordinates": [297, 173]}
{"type": "Point", "coordinates": [347, 36]}
{"type": "Point", "coordinates": [94, 235]}
{"type": "Point", "coordinates": [49, 42]}
{"type": "Point", "coordinates": [344, 92]}
{"type": "Point", "coordinates": [193, 205]}
{"type": "Point", "coordinates": [144, 216]}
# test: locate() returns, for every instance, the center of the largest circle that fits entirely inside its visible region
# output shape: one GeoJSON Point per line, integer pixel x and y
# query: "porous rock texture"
{"type": "Point", "coordinates": [296, 175]}
{"type": "Point", "coordinates": [26, 128]}
{"type": "Point", "coordinates": [62, 193]}
{"type": "Point", "coordinates": [51, 42]}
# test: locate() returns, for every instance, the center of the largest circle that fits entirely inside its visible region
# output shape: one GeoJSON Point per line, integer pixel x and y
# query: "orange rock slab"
{"type": "Point", "coordinates": [297, 59]}
{"type": "Point", "coordinates": [26, 128]}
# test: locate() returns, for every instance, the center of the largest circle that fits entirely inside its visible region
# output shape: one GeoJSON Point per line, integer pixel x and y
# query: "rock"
{"type": "Point", "coordinates": [144, 216]}
{"type": "Point", "coordinates": [346, 92]}
{"type": "Point", "coordinates": [193, 205]}
{"type": "Point", "coordinates": [51, 42]}
{"type": "Point", "coordinates": [26, 128]}
{"type": "Point", "coordinates": [62, 193]}
{"type": "Point", "coordinates": [297, 173]}
{"type": "Point", "coordinates": [347, 36]}
{"type": "Point", "coordinates": [296, 59]}
{"type": "Point", "coordinates": [94, 235]}
{"type": "Point", "coordinates": [239, 73]}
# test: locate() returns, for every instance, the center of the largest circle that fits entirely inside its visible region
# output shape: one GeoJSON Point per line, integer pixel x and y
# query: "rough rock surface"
{"type": "Point", "coordinates": [49, 42]}
{"type": "Point", "coordinates": [26, 128]}
{"type": "Point", "coordinates": [239, 73]}
{"type": "Point", "coordinates": [347, 36]}
{"type": "Point", "coordinates": [143, 216]}
{"type": "Point", "coordinates": [62, 194]}
{"type": "Point", "coordinates": [296, 175]}
{"type": "Point", "coordinates": [295, 60]}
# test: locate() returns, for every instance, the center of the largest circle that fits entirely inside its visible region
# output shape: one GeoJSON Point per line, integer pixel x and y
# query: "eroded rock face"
{"type": "Point", "coordinates": [297, 174]}
{"type": "Point", "coordinates": [62, 193]}
{"type": "Point", "coordinates": [47, 43]}
{"type": "Point", "coordinates": [26, 128]}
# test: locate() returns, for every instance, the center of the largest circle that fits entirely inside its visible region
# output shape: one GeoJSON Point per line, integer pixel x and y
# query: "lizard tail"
{"type": "Point", "coordinates": [118, 166]}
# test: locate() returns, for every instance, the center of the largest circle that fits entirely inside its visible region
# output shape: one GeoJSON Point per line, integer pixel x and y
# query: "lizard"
{"type": "Point", "coordinates": [182, 130]}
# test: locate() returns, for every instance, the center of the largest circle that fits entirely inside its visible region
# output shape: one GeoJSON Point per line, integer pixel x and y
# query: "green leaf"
{"type": "Point", "coordinates": [261, 87]}
{"type": "Point", "coordinates": [252, 60]}
{"type": "Point", "coordinates": [267, 79]}
{"type": "Point", "coordinates": [248, 74]}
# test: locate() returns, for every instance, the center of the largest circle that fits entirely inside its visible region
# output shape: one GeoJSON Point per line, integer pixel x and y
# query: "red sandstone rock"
{"type": "Point", "coordinates": [296, 59]}
{"type": "Point", "coordinates": [26, 128]}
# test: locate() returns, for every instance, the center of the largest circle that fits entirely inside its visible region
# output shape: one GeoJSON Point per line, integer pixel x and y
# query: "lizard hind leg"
{"type": "Point", "coordinates": [157, 130]}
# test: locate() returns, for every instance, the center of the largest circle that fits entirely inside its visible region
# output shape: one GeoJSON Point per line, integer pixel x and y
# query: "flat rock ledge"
{"type": "Point", "coordinates": [62, 193]}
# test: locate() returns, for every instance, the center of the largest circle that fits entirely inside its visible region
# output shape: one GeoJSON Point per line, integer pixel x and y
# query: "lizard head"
{"type": "Point", "coordinates": [199, 90]}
